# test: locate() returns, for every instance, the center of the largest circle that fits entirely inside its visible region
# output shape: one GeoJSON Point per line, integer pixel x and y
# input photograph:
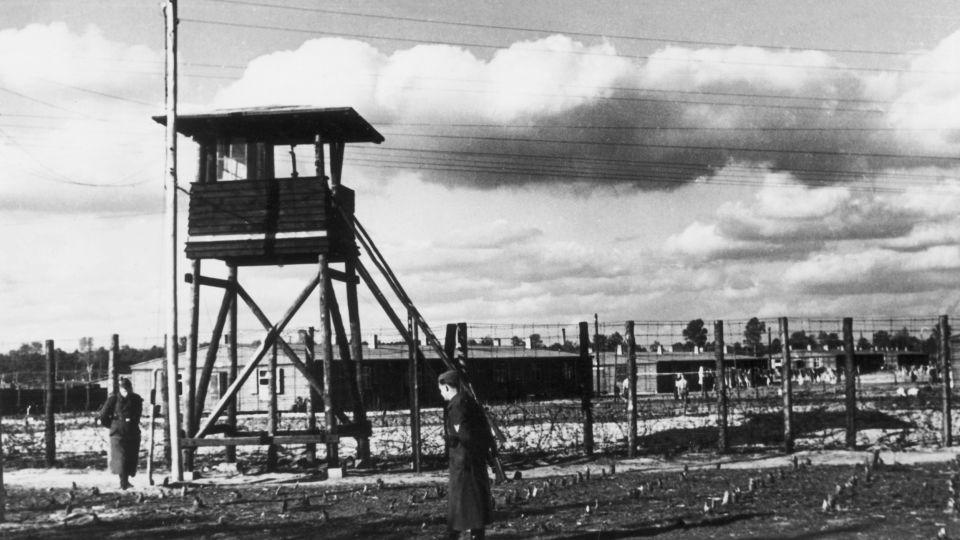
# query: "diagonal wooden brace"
{"type": "Point", "coordinates": [272, 334]}
{"type": "Point", "coordinates": [211, 358]}
{"type": "Point", "coordinates": [287, 349]}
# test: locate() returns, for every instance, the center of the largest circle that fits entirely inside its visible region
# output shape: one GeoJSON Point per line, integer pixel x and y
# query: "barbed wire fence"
{"type": "Point", "coordinates": [554, 393]}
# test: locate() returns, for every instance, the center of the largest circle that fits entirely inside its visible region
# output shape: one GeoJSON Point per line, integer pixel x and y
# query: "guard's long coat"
{"type": "Point", "coordinates": [122, 414]}
{"type": "Point", "coordinates": [469, 487]}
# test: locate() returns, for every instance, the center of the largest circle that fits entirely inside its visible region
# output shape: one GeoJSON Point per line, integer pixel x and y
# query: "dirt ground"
{"type": "Point", "coordinates": [696, 496]}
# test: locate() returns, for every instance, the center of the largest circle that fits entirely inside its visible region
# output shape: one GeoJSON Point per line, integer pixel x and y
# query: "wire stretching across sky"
{"type": "Point", "coordinates": [626, 171]}
{"type": "Point", "coordinates": [554, 31]}
{"type": "Point", "coordinates": [321, 33]}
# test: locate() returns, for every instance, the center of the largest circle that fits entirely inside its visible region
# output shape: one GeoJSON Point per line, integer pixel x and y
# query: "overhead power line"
{"type": "Point", "coordinates": [565, 31]}
{"type": "Point", "coordinates": [637, 177]}
{"type": "Point", "coordinates": [574, 127]}
{"type": "Point", "coordinates": [318, 32]}
{"type": "Point", "coordinates": [801, 151]}
{"type": "Point", "coordinates": [98, 93]}
{"type": "Point", "coordinates": [537, 159]}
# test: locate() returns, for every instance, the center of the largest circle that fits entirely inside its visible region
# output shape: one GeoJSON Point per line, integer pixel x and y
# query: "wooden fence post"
{"type": "Point", "coordinates": [945, 369]}
{"type": "Point", "coordinates": [463, 346]}
{"type": "Point", "coordinates": [314, 399]}
{"type": "Point", "coordinates": [722, 444]}
{"type": "Point", "coordinates": [50, 432]}
{"type": "Point", "coordinates": [414, 378]}
{"type": "Point", "coordinates": [632, 388]}
{"type": "Point", "coordinates": [850, 382]}
{"type": "Point", "coordinates": [596, 351]}
{"type": "Point", "coordinates": [165, 405]}
{"type": "Point", "coordinates": [787, 386]}
{"type": "Point", "coordinates": [3, 490]}
{"type": "Point", "coordinates": [449, 348]}
{"type": "Point", "coordinates": [586, 388]}
{"type": "Point", "coordinates": [113, 356]}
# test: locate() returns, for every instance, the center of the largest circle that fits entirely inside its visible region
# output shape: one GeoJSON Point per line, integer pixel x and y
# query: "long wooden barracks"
{"type": "Point", "coordinates": [498, 374]}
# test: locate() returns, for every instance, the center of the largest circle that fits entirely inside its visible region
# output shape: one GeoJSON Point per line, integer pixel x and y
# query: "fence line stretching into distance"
{"type": "Point", "coordinates": [733, 369]}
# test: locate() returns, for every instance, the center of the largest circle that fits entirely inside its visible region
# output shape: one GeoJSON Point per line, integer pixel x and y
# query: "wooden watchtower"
{"type": "Point", "coordinates": [252, 206]}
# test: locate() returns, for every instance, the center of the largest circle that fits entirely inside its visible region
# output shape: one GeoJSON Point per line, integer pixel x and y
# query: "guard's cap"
{"type": "Point", "coordinates": [449, 378]}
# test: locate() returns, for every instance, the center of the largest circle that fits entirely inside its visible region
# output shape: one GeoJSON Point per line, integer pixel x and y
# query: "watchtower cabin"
{"type": "Point", "coordinates": [251, 205]}
{"type": "Point", "coordinates": [254, 204]}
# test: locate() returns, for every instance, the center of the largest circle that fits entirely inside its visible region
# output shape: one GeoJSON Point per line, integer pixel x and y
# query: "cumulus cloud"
{"type": "Point", "coordinates": [39, 57]}
{"type": "Point", "coordinates": [558, 110]}
{"type": "Point", "coordinates": [927, 107]}
{"type": "Point", "coordinates": [788, 220]}
{"type": "Point", "coordinates": [875, 270]}
{"type": "Point", "coordinates": [82, 139]}
{"type": "Point", "coordinates": [704, 241]}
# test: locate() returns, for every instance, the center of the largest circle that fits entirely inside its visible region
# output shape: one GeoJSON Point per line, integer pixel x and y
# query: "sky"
{"type": "Point", "coordinates": [544, 161]}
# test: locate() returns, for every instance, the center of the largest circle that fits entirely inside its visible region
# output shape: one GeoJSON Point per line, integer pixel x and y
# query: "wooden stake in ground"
{"type": "Point", "coordinates": [787, 389]}
{"type": "Point", "coordinates": [414, 374]}
{"type": "Point", "coordinates": [153, 413]}
{"type": "Point", "coordinates": [586, 388]}
{"type": "Point", "coordinates": [722, 445]}
{"type": "Point", "coordinates": [50, 433]}
{"type": "Point", "coordinates": [112, 363]}
{"type": "Point", "coordinates": [631, 388]}
{"type": "Point", "coordinates": [3, 490]}
{"type": "Point", "coordinates": [314, 402]}
{"type": "Point", "coordinates": [850, 381]}
{"type": "Point", "coordinates": [945, 370]}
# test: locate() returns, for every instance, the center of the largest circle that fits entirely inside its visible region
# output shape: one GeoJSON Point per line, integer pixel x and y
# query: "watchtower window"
{"type": "Point", "coordinates": [242, 160]}
{"type": "Point", "coordinates": [292, 161]}
{"type": "Point", "coordinates": [233, 162]}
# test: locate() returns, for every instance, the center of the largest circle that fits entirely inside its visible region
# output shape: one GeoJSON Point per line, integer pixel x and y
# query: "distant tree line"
{"type": "Point", "coordinates": [26, 366]}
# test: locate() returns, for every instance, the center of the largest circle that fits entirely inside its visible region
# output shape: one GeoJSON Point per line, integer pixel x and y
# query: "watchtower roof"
{"type": "Point", "coordinates": [279, 125]}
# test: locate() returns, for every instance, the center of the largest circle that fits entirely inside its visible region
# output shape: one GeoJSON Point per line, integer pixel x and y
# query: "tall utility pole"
{"type": "Point", "coordinates": [170, 224]}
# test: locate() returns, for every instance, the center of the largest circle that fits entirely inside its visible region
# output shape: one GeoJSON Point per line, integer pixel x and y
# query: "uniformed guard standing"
{"type": "Point", "coordinates": [470, 442]}
{"type": "Point", "coordinates": [121, 413]}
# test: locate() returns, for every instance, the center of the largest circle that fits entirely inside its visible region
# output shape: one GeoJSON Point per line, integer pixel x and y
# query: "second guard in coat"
{"type": "Point", "coordinates": [121, 413]}
{"type": "Point", "coordinates": [470, 442]}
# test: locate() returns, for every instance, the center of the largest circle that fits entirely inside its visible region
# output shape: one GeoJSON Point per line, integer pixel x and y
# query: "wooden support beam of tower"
{"type": "Point", "coordinates": [210, 282]}
{"type": "Point", "coordinates": [326, 348]}
{"type": "Point", "coordinates": [314, 395]}
{"type": "Point", "coordinates": [231, 451]}
{"type": "Point", "coordinates": [190, 413]}
{"type": "Point", "coordinates": [349, 367]}
{"type": "Point", "coordinates": [356, 353]}
{"type": "Point", "coordinates": [211, 358]}
{"type": "Point", "coordinates": [388, 309]}
{"type": "Point", "coordinates": [336, 162]}
{"type": "Point", "coordinates": [345, 277]}
{"type": "Point", "coordinates": [287, 349]}
{"type": "Point", "coordinates": [272, 334]}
